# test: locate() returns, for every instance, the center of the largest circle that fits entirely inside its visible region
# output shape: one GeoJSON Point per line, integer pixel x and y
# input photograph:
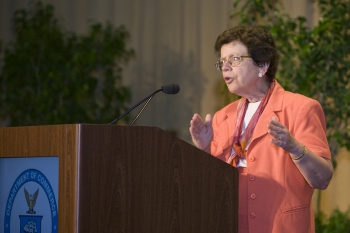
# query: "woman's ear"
{"type": "Point", "coordinates": [263, 68]}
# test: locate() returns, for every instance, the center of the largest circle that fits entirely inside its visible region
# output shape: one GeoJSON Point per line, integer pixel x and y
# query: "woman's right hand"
{"type": "Point", "coordinates": [201, 133]}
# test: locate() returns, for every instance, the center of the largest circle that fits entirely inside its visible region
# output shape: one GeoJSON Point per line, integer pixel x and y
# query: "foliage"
{"type": "Point", "coordinates": [49, 76]}
{"type": "Point", "coordinates": [338, 222]}
{"type": "Point", "coordinates": [314, 61]}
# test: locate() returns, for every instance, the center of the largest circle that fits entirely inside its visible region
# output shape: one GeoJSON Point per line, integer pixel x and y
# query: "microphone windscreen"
{"type": "Point", "coordinates": [171, 88]}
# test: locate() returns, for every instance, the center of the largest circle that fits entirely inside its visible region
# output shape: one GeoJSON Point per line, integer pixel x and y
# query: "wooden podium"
{"type": "Point", "coordinates": [130, 179]}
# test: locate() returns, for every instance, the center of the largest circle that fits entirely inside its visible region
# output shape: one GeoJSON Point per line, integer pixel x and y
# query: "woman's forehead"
{"type": "Point", "coordinates": [233, 48]}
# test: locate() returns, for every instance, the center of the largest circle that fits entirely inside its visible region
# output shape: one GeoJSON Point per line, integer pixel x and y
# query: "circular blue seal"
{"type": "Point", "coordinates": [38, 177]}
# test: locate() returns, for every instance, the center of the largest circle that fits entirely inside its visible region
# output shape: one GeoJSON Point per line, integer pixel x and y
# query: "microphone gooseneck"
{"type": "Point", "coordinates": [168, 89]}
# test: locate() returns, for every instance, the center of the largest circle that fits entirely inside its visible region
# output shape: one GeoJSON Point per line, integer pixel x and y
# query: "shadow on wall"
{"type": "Point", "coordinates": [171, 113]}
{"type": "Point", "coordinates": [186, 72]}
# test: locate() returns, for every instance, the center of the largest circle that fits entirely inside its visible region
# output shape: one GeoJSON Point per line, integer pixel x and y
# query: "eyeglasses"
{"type": "Point", "coordinates": [232, 61]}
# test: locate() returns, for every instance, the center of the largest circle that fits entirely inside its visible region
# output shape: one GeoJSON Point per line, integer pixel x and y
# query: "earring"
{"type": "Point", "coordinates": [260, 75]}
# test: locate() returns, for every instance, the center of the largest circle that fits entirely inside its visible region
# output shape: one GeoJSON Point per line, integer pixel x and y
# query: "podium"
{"type": "Point", "coordinates": [130, 179]}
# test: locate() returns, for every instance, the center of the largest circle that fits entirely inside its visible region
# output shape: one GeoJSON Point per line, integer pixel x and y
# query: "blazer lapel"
{"type": "Point", "coordinates": [231, 113]}
{"type": "Point", "coordinates": [225, 132]}
{"type": "Point", "coordinates": [273, 106]}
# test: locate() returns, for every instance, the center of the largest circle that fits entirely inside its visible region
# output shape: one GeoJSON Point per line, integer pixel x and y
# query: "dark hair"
{"type": "Point", "coordinates": [260, 44]}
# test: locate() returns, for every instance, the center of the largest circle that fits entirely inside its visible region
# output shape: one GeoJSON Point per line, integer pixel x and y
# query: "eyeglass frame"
{"type": "Point", "coordinates": [219, 68]}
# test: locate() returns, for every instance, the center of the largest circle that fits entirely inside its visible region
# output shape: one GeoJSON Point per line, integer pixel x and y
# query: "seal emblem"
{"type": "Point", "coordinates": [32, 222]}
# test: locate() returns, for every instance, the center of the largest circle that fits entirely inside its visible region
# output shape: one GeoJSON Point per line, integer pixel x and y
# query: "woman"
{"type": "Point", "coordinates": [275, 138]}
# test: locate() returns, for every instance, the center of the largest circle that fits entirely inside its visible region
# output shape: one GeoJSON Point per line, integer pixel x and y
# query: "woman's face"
{"type": "Point", "coordinates": [242, 79]}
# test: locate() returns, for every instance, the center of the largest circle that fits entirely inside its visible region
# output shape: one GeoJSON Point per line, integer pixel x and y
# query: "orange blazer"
{"type": "Point", "coordinates": [282, 201]}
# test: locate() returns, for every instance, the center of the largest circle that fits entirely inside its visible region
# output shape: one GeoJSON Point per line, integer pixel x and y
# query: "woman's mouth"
{"type": "Point", "coordinates": [228, 80]}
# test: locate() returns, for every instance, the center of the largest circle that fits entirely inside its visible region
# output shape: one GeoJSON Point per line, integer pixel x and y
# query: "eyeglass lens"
{"type": "Point", "coordinates": [232, 61]}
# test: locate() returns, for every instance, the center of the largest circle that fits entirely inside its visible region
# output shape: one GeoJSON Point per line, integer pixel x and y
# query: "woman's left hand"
{"type": "Point", "coordinates": [282, 137]}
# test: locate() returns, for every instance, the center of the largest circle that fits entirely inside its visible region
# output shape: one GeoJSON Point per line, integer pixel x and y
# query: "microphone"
{"type": "Point", "coordinates": [167, 89]}
{"type": "Point", "coordinates": [171, 89]}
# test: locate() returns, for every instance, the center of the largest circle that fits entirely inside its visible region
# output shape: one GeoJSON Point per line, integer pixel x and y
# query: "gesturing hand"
{"type": "Point", "coordinates": [283, 138]}
{"type": "Point", "coordinates": [201, 133]}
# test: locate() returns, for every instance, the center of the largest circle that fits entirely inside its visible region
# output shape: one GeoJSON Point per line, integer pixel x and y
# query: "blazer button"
{"type": "Point", "coordinates": [252, 178]}
{"type": "Point", "coordinates": [253, 196]}
{"type": "Point", "coordinates": [252, 159]}
{"type": "Point", "coordinates": [252, 215]}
